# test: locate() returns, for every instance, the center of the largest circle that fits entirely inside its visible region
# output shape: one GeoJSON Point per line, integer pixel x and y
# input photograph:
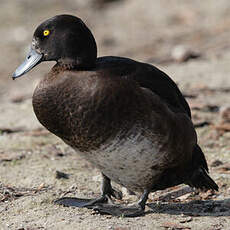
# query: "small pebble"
{"type": "Point", "coordinates": [216, 163]}
{"type": "Point", "coordinates": [60, 175]}
{"type": "Point", "coordinates": [182, 54]}
{"type": "Point", "coordinates": [225, 114]}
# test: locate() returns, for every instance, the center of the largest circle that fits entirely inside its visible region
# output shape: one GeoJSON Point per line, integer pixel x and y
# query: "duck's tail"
{"type": "Point", "coordinates": [200, 178]}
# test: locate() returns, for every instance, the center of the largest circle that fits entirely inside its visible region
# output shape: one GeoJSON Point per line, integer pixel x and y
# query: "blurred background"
{"type": "Point", "coordinates": [148, 31]}
{"type": "Point", "coordinates": [189, 40]}
{"type": "Point", "coordinates": [168, 33]}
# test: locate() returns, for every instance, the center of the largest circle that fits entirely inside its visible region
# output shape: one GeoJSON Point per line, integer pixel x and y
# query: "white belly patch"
{"type": "Point", "coordinates": [131, 161]}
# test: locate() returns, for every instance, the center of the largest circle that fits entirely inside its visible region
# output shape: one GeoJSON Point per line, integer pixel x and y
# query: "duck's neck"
{"type": "Point", "coordinates": [82, 56]}
{"type": "Point", "coordinates": [75, 64]}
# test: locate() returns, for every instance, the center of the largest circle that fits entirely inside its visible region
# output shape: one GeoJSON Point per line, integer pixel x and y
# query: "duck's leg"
{"type": "Point", "coordinates": [107, 190]}
{"type": "Point", "coordinates": [106, 193]}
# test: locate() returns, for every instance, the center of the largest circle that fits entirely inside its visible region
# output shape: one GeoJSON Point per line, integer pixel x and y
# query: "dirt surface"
{"type": "Point", "coordinates": [189, 40]}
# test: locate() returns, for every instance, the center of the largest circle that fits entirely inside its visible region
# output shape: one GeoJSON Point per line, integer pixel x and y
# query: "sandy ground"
{"type": "Point", "coordinates": [164, 33]}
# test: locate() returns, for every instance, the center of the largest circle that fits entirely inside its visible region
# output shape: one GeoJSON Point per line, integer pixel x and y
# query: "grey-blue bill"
{"type": "Point", "coordinates": [32, 59]}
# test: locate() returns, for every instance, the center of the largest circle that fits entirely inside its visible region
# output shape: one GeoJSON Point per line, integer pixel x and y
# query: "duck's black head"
{"type": "Point", "coordinates": [64, 39]}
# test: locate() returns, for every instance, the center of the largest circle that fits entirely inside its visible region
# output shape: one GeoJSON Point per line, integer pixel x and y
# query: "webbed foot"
{"type": "Point", "coordinates": [104, 206]}
{"type": "Point", "coordinates": [120, 210]}
{"type": "Point", "coordinates": [81, 203]}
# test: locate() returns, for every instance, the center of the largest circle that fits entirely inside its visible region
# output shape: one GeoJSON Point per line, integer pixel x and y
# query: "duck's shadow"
{"type": "Point", "coordinates": [193, 208]}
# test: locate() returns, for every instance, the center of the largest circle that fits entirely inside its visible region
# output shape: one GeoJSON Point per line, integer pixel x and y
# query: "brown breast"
{"type": "Point", "coordinates": [86, 108]}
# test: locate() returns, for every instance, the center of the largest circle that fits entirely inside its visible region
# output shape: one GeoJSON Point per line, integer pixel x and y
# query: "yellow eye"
{"type": "Point", "coordinates": [46, 32]}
